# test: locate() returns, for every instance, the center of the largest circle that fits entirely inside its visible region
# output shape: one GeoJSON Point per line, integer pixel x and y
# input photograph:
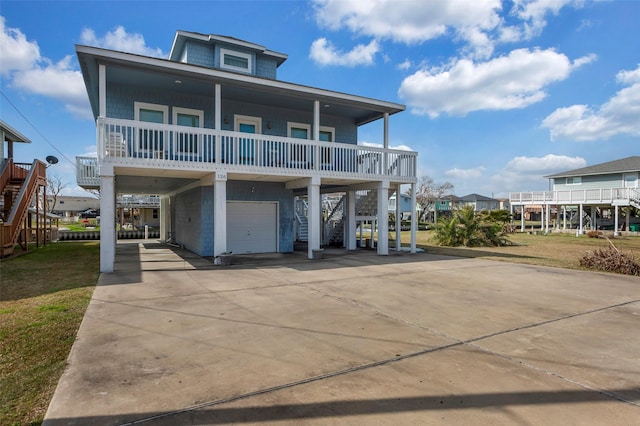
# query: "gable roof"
{"type": "Point", "coordinates": [629, 164]}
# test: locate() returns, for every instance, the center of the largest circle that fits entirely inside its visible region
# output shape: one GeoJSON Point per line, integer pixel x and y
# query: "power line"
{"type": "Point", "coordinates": [36, 129]}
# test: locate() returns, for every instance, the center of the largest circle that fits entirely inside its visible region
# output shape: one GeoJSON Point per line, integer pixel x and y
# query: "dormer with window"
{"type": "Point", "coordinates": [225, 53]}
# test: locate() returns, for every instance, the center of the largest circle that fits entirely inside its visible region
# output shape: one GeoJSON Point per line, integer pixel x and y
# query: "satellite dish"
{"type": "Point", "coordinates": [51, 159]}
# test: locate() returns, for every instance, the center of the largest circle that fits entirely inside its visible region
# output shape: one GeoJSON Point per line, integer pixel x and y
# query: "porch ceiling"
{"type": "Point", "coordinates": [163, 75]}
{"type": "Point", "coordinates": [155, 181]}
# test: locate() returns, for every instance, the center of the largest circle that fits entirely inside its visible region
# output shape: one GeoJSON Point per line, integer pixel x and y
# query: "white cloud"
{"type": "Point", "coordinates": [527, 173]}
{"type": "Point", "coordinates": [404, 65]}
{"type": "Point", "coordinates": [534, 13]}
{"type": "Point", "coordinates": [508, 82]}
{"type": "Point", "coordinates": [618, 116]}
{"type": "Point", "coordinates": [58, 81]}
{"type": "Point", "coordinates": [16, 52]}
{"type": "Point", "coordinates": [400, 147]}
{"type": "Point", "coordinates": [119, 39]}
{"type": "Point", "coordinates": [324, 52]}
{"type": "Point", "coordinates": [412, 21]}
{"type": "Point", "coordinates": [473, 173]}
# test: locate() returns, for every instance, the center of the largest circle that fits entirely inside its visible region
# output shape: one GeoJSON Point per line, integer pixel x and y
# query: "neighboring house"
{"type": "Point", "coordinates": [404, 207]}
{"type": "Point", "coordinates": [478, 202]}
{"type": "Point", "coordinates": [70, 207]}
{"type": "Point", "coordinates": [599, 189]}
{"type": "Point", "coordinates": [228, 147]}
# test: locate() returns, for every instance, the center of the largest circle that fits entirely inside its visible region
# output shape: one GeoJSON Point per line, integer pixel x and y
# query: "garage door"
{"type": "Point", "coordinates": [252, 227]}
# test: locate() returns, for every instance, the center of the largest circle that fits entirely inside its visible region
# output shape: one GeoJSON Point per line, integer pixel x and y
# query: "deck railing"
{"type": "Point", "coordinates": [576, 196]}
{"type": "Point", "coordinates": [131, 143]}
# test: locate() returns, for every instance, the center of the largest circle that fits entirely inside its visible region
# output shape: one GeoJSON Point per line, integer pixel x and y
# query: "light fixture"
{"type": "Point", "coordinates": [226, 120]}
{"type": "Point", "coordinates": [269, 124]}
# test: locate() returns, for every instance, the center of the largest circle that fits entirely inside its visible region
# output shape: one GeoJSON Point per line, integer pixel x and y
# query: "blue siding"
{"type": "Point", "coordinates": [121, 98]}
{"type": "Point", "coordinates": [266, 67]}
{"type": "Point", "coordinates": [197, 53]}
{"type": "Point", "coordinates": [187, 220]}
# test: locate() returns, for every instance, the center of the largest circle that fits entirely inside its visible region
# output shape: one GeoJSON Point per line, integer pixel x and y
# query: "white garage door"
{"type": "Point", "coordinates": [252, 227]}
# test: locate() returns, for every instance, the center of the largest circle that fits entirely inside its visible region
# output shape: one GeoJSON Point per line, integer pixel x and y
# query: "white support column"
{"type": "Point", "coordinates": [398, 219]}
{"type": "Point", "coordinates": [316, 120]}
{"type": "Point", "coordinates": [627, 219]}
{"type": "Point", "coordinates": [219, 215]}
{"type": "Point", "coordinates": [107, 219]}
{"type": "Point", "coordinates": [564, 217]}
{"type": "Point", "coordinates": [548, 218]}
{"type": "Point", "coordinates": [542, 218]}
{"type": "Point", "coordinates": [383, 218]}
{"type": "Point", "coordinates": [217, 106]}
{"type": "Point", "coordinates": [594, 218]}
{"type": "Point", "coordinates": [581, 228]}
{"type": "Point", "coordinates": [102, 90]}
{"type": "Point", "coordinates": [522, 218]}
{"type": "Point", "coordinates": [165, 218]}
{"type": "Point", "coordinates": [351, 220]}
{"type": "Point", "coordinates": [218, 122]}
{"type": "Point", "coordinates": [414, 219]}
{"type": "Point", "coordinates": [385, 157]}
{"type": "Point", "coordinates": [615, 222]}
{"type": "Point", "coordinates": [314, 215]}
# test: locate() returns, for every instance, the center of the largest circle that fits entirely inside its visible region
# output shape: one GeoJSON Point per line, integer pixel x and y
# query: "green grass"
{"type": "Point", "coordinates": [43, 297]}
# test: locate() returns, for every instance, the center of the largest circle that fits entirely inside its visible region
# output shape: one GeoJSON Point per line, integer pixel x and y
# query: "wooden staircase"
{"type": "Point", "coordinates": [19, 183]}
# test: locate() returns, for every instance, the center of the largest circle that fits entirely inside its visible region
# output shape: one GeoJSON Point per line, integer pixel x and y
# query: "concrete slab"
{"type": "Point", "coordinates": [354, 338]}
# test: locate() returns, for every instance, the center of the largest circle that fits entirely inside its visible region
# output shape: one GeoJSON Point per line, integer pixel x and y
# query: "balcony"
{"type": "Point", "coordinates": [127, 143]}
{"type": "Point", "coordinates": [613, 196]}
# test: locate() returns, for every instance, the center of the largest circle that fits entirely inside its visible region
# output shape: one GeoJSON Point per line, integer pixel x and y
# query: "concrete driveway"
{"type": "Point", "coordinates": [354, 338]}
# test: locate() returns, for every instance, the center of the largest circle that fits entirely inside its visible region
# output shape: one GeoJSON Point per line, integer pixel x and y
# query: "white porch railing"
{"type": "Point", "coordinates": [578, 196]}
{"type": "Point", "coordinates": [134, 143]}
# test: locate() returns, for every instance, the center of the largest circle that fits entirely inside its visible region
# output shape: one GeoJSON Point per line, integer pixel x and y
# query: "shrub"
{"type": "Point", "coordinates": [593, 234]}
{"type": "Point", "coordinates": [466, 228]}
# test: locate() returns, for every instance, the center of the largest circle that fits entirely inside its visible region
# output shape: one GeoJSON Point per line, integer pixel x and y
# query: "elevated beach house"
{"type": "Point", "coordinates": [587, 195]}
{"type": "Point", "coordinates": [229, 148]}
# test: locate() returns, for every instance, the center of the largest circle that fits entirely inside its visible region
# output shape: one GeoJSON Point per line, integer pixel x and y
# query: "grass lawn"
{"type": "Point", "coordinates": [43, 297]}
{"type": "Point", "coordinates": [555, 249]}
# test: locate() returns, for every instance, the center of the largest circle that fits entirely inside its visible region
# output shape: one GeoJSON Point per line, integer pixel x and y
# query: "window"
{"type": "Point", "coordinates": [155, 213]}
{"type": "Point", "coordinates": [574, 180]}
{"type": "Point", "coordinates": [235, 61]}
{"type": "Point", "coordinates": [187, 141]}
{"type": "Point", "coordinates": [150, 139]}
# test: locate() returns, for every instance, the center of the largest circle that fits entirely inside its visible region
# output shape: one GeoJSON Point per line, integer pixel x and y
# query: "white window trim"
{"type": "Point", "coordinates": [247, 56]}
{"type": "Point", "coordinates": [247, 119]}
{"type": "Point", "coordinates": [188, 111]}
{"type": "Point", "coordinates": [293, 124]}
{"type": "Point", "coordinates": [331, 130]}
{"type": "Point", "coordinates": [156, 107]}
{"type": "Point", "coordinates": [633, 181]}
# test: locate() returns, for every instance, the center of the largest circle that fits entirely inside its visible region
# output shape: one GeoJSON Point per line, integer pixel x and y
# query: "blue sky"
{"type": "Point", "coordinates": [498, 93]}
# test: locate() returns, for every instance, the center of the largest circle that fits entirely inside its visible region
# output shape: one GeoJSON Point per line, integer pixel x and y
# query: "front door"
{"type": "Point", "coordinates": [246, 146]}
